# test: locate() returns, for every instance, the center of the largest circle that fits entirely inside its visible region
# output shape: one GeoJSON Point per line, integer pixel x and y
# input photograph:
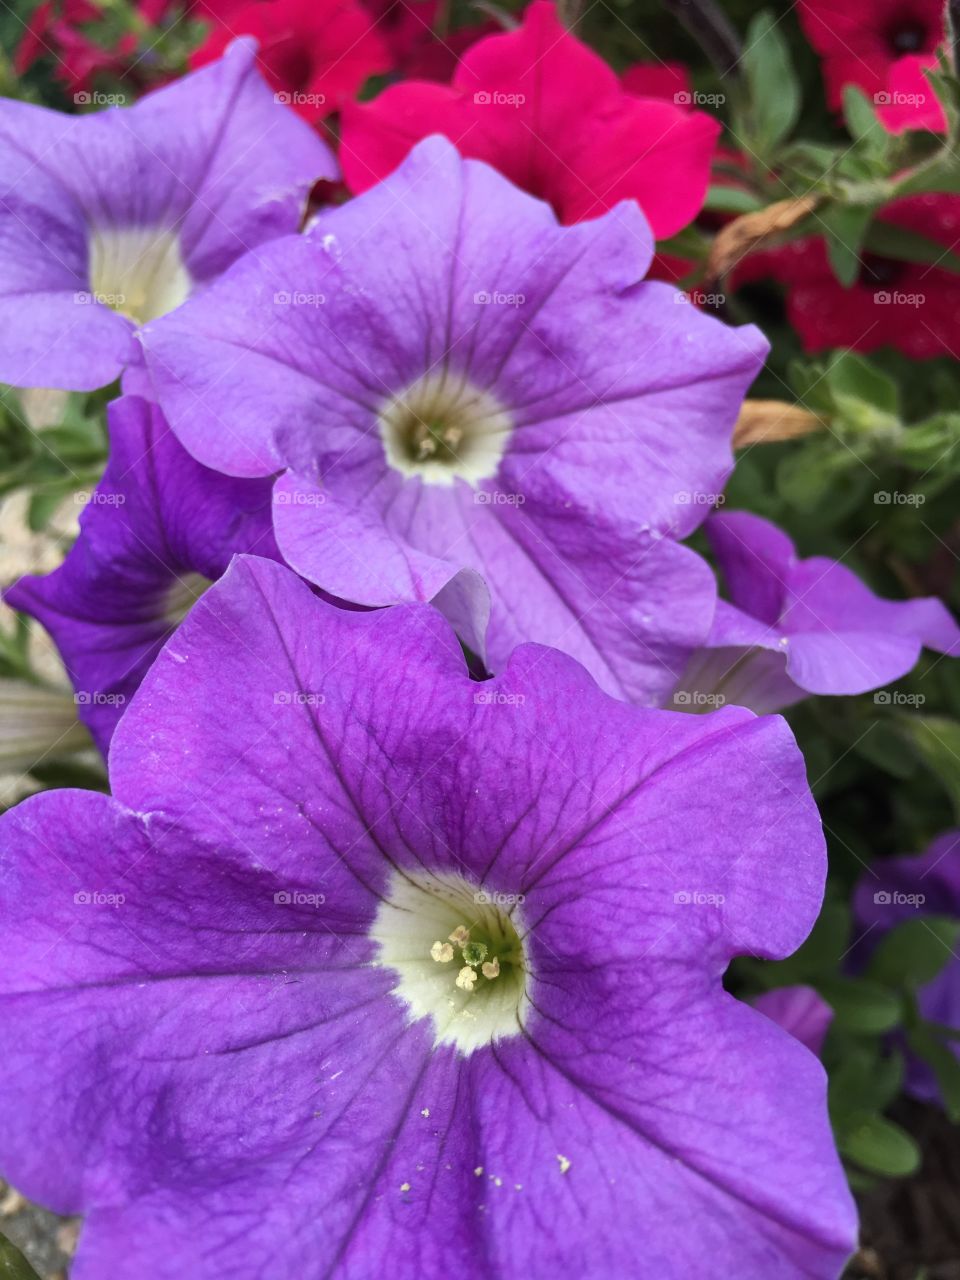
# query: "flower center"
{"type": "Point", "coordinates": [182, 596]}
{"type": "Point", "coordinates": [442, 428]}
{"type": "Point", "coordinates": [908, 37]}
{"type": "Point", "coordinates": [458, 956]}
{"type": "Point", "coordinates": [138, 271]}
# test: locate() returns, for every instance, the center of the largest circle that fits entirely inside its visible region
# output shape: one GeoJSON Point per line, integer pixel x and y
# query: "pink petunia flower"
{"type": "Point", "coordinates": [548, 112]}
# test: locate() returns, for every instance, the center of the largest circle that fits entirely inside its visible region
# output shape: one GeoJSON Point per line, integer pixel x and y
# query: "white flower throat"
{"type": "Point", "coordinates": [459, 958]}
{"type": "Point", "coordinates": [442, 428]}
{"type": "Point", "coordinates": [138, 271]}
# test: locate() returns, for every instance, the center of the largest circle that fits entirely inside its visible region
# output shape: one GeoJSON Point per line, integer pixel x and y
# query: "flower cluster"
{"type": "Point", "coordinates": [412, 919]}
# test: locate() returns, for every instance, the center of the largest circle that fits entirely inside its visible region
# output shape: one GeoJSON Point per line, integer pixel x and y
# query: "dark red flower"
{"type": "Point", "coordinates": [549, 113]}
{"type": "Point", "coordinates": [317, 54]}
{"type": "Point", "coordinates": [914, 307]}
{"type": "Point", "coordinates": [860, 40]}
{"type": "Point", "coordinates": [418, 46]}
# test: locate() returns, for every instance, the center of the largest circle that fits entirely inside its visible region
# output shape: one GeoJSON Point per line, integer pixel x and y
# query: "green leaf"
{"type": "Point", "coordinates": [858, 386]}
{"type": "Point", "coordinates": [909, 246]}
{"type": "Point", "coordinates": [732, 200]}
{"type": "Point", "coordinates": [861, 1005]}
{"type": "Point", "coordinates": [772, 83]}
{"type": "Point", "coordinates": [861, 119]}
{"type": "Point", "coordinates": [936, 739]}
{"type": "Point", "coordinates": [13, 1265]}
{"type": "Point", "coordinates": [863, 1078]}
{"type": "Point", "coordinates": [879, 1145]}
{"type": "Point", "coordinates": [845, 227]}
{"type": "Point", "coordinates": [925, 1043]}
{"type": "Point", "coordinates": [914, 952]}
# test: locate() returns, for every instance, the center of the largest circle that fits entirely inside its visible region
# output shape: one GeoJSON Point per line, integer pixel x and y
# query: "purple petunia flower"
{"type": "Point", "coordinates": [899, 889]}
{"type": "Point", "coordinates": [366, 961]}
{"type": "Point", "coordinates": [157, 530]}
{"type": "Point", "coordinates": [112, 219]}
{"type": "Point", "coordinates": [795, 627]}
{"type": "Point", "coordinates": [462, 389]}
{"type": "Point", "coordinates": [800, 1010]}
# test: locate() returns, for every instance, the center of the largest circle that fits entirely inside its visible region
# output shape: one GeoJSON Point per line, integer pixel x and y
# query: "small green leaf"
{"type": "Point", "coordinates": [772, 83]}
{"type": "Point", "coordinates": [936, 739]}
{"type": "Point", "coordinates": [925, 1043]}
{"type": "Point", "coordinates": [13, 1265]}
{"type": "Point", "coordinates": [914, 952]}
{"type": "Point", "coordinates": [732, 200]}
{"type": "Point", "coordinates": [856, 385]}
{"type": "Point", "coordinates": [861, 1005]}
{"type": "Point", "coordinates": [879, 1145]}
{"type": "Point", "coordinates": [845, 227]}
{"type": "Point", "coordinates": [861, 119]}
{"type": "Point", "coordinates": [888, 241]}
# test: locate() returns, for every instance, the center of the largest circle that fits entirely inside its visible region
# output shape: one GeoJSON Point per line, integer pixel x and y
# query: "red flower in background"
{"type": "Point", "coordinates": [669, 80]}
{"type": "Point", "coordinates": [64, 30]}
{"type": "Point", "coordinates": [418, 49]}
{"type": "Point", "coordinates": [909, 101]}
{"type": "Point", "coordinates": [881, 46]}
{"type": "Point", "coordinates": [549, 113]}
{"type": "Point", "coordinates": [914, 307]}
{"type": "Point", "coordinates": [318, 52]}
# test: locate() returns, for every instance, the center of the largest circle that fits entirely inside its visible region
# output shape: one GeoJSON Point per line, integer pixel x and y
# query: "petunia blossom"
{"type": "Point", "coordinates": [911, 306]}
{"type": "Point", "coordinates": [157, 530]}
{"type": "Point", "coordinates": [317, 54]}
{"type": "Point", "coordinates": [860, 40]}
{"type": "Point", "coordinates": [909, 101]}
{"type": "Point", "coordinates": [475, 406]}
{"type": "Point", "coordinates": [111, 219]}
{"type": "Point", "coordinates": [794, 627]}
{"type": "Point", "coordinates": [363, 960]}
{"type": "Point", "coordinates": [800, 1010]}
{"type": "Point", "coordinates": [548, 112]}
{"type": "Point", "coordinates": [898, 889]}
{"type": "Point", "coordinates": [422, 44]}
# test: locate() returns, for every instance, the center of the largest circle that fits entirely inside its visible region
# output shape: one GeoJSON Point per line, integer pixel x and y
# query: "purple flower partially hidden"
{"type": "Point", "coordinates": [899, 889]}
{"type": "Point", "coordinates": [472, 399]}
{"type": "Point", "coordinates": [795, 627]}
{"type": "Point", "coordinates": [800, 1010]}
{"type": "Point", "coordinates": [111, 219]}
{"type": "Point", "coordinates": [156, 532]}
{"type": "Point", "coordinates": [365, 960]}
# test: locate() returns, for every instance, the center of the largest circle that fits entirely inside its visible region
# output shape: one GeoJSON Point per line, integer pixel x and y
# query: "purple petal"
{"type": "Point", "coordinates": [191, 177]}
{"type": "Point", "coordinates": [799, 1010]}
{"type": "Point", "coordinates": [155, 528]}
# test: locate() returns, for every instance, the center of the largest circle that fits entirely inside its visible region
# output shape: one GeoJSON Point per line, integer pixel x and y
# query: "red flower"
{"type": "Point", "coordinates": [317, 53]}
{"type": "Point", "coordinates": [860, 40]}
{"type": "Point", "coordinates": [909, 102]}
{"type": "Point", "coordinates": [63, 30]}
{"type": "Point", "coordinates": [669, 80]}
{"type": "Point", "coordinates": [417, 48]}
{"type": "Point", "coordinates": [549, 113]}
{"type": "Point", "coordinates": [912, 306]}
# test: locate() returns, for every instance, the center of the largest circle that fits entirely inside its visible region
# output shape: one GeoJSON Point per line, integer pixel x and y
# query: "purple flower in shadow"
{"type": "Point", "coordinates": [157, 530]}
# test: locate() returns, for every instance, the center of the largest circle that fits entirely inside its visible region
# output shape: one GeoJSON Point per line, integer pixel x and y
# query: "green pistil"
{"type": "Point", "coordinates": [474, 953]}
